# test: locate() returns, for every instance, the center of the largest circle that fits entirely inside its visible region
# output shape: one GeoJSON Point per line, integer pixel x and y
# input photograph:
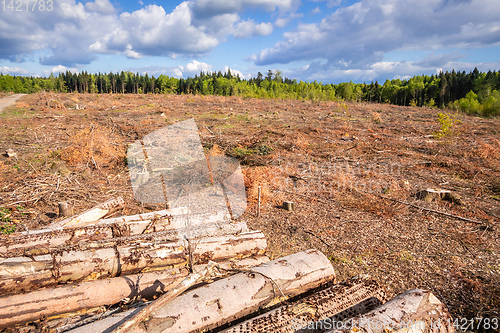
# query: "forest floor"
{"type": "Point", "coordinates": [353, 171]}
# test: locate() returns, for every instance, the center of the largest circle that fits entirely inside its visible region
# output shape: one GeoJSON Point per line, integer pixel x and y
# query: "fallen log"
{"type": "Point", "coordinates": [43, 303]}
{"type": "Point", "coordinates": [416, 311]}
{"type": "Point", "coordinates": [88, 262]}
{"type": "Point", "coordinates": [174, 225]}
{"type": "Point", "coordinates": [319, 310]}
{"type": "Point", "coordinates": [90, 215]}
{"type": "Point", "coordinates": [234, 297]}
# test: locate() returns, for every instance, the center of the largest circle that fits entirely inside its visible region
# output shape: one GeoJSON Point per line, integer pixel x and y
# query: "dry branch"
{"type": "Point", "coordinates": [431, 210]}
{"type": "Point", "coordinates": [89, 262]}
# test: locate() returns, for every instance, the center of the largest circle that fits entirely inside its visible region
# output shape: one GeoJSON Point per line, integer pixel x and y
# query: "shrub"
{"type": "Point", "coordinates": [447, 124]}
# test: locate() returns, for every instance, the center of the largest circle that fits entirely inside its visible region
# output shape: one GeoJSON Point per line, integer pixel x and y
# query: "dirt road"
{"type": "Point", "coordinates": [9, 100]}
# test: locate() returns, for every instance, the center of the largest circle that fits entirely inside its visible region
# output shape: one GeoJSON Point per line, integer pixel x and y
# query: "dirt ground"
{"type": "Point", "coordinates": [353, 171]}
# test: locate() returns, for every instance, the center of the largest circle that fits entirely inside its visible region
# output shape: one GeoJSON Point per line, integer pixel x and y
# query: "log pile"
{"type": "Point", "coordinates": [173, 271]}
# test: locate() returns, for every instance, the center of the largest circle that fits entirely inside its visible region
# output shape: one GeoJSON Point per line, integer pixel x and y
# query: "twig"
{"type": "Point", "coordinates": [313, 234]}
{"type": "Point", "coordinates": [23, 201]}
{"type": "Point", "coordinates": [33, 167]}
{"type": "Point", "coordinates": [431, 210]}
{"type": "Point", "coordinates": [258, 204]}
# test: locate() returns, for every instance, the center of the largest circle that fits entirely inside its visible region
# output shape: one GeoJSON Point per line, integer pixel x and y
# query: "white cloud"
{"type": "Point", "coordinates": [359, 35]}
{"type": "Point", "coordinates": [235, 72]}
{"type": "Point", "coordinates": [63, 34]}
{"type": "Point", "coordinates": [101, 6]}
{"type": "Point", "coordinates": [63, 69]}
{"type": "Point", "coordinates": [316, 11]}
{"type": "Point", "coordinates": [330, 3]}
{"type": "Point", "coordinates": [74, 33]}
{"type": "Point", "coordinates": [247, 29]}
{"type": "Point", "coordinates": [13, 70]}
{"type": "Point", "coordinates": [215, 7]}
{"type": "Point", "coordinates": [281, 22]}
{"type": "Point", "coordinates": [195, 67]}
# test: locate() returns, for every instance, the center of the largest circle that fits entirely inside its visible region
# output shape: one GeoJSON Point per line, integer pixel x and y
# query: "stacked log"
{"type": "Point", "coordinates": [225, 300]}
{"type": "Point", "coordinates": [207, 274]}
{"type": "Point", "coordinates": [46, 302]}
{"type": "Point", "coordinates": [105, 261]}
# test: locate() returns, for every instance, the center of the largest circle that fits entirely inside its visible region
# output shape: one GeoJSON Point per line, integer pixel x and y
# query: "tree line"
{"type": "Point", "coordinates": [474, 92]}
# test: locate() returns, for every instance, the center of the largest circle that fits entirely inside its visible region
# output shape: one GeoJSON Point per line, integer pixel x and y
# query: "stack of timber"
{"type": "Point", "coordinates": [78, 264]}
{"type": "Point", "coordinates": [172, 271]}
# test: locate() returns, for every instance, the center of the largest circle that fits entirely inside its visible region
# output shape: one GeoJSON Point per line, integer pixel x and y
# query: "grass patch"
{"type": "Point", "coordinates": [6, 227]}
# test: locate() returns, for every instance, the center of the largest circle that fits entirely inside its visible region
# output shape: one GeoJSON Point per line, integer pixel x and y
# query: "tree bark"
{"type": "Point", "coordinates": [23, 308]}
{"type": "Point", "coordinates": [43, 242]}
{"type": "Point", "coordinates": [416, 310]}
{"type": "Point", "coordinates": [96, 260]}
{"type": "Point", "coordinates": [358, 296]}
{"type": "Point", "coordinates": [231, 298]}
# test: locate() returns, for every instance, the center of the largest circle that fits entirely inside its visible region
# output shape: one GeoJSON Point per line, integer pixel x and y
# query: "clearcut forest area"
{"type": "Point", "coordinates": [356, 172]}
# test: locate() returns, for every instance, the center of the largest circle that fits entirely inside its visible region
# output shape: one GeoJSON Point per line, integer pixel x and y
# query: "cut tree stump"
{"type": "Point", "coordinates": [65, 209]}
{"type": "Point", "coordinates": [430, 195]}
{"type": "Point", "coordinates": [43, 303]}
{"type": "Point", "coordinates": [415, 311]}
{"type": "Point", "coordinates": [231, 298]}
{"type": "Point", "coordinates": [92, 261]}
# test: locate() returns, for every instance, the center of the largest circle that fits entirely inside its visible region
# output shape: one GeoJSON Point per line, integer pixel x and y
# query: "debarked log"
{"type": "Point", "coordinates": [415, 311]}
{"type": "Point", "coordinates": [231, 298]}
{"type": "Point", "coordinates": [170, 226]}
{"type": "Point", "coordinates": [319, 310]}
{"type": "Point", "coordinates": [116, 259]}
{"type": "Point", "coordinates": [92, 214]}
{"type": "Point", "coordinates": [46, 302]}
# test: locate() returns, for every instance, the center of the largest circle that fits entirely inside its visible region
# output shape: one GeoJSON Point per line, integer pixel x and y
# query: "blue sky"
{"type": "Point", "coordinates": [330, 41]}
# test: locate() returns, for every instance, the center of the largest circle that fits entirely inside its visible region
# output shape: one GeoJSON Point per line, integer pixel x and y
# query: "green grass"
{"type": "Point", "coordinates": [6, 227]}
{"type": "Point", "coordinates": [15, 112]}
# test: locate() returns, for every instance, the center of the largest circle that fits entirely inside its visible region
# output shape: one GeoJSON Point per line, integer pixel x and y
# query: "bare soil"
{"type": "Point", "coordinates": [351, 169]}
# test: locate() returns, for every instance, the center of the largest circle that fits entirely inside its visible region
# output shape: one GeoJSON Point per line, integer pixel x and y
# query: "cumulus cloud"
{"type": "Point", "coordinates": [195, 67]}
{"type": "Point", "coordinates": [316, 11]}
{"type": "Point", "coordinates": [281, 22]}
{"type": "Point", "coordinates": [236, 72]}
{"type": "Point", "coordinates": [74, 32]}
{"type": "Point", "coordinates": [151, 31]}
{"type": "Point", "coordinates": [358, 36]}
{"type": "Point", "coordinates": [216, 7]}
{"type": "Point", "coordinates": [63, 35]}
{"type": "Point", "coordinates": [63, 69]}
{"type": "Point", "coordinates": [247, 29]}
{"type": "Point", "coordinates": [13, 70]}
{"type": "Point", "coordinates": [100, 6]}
